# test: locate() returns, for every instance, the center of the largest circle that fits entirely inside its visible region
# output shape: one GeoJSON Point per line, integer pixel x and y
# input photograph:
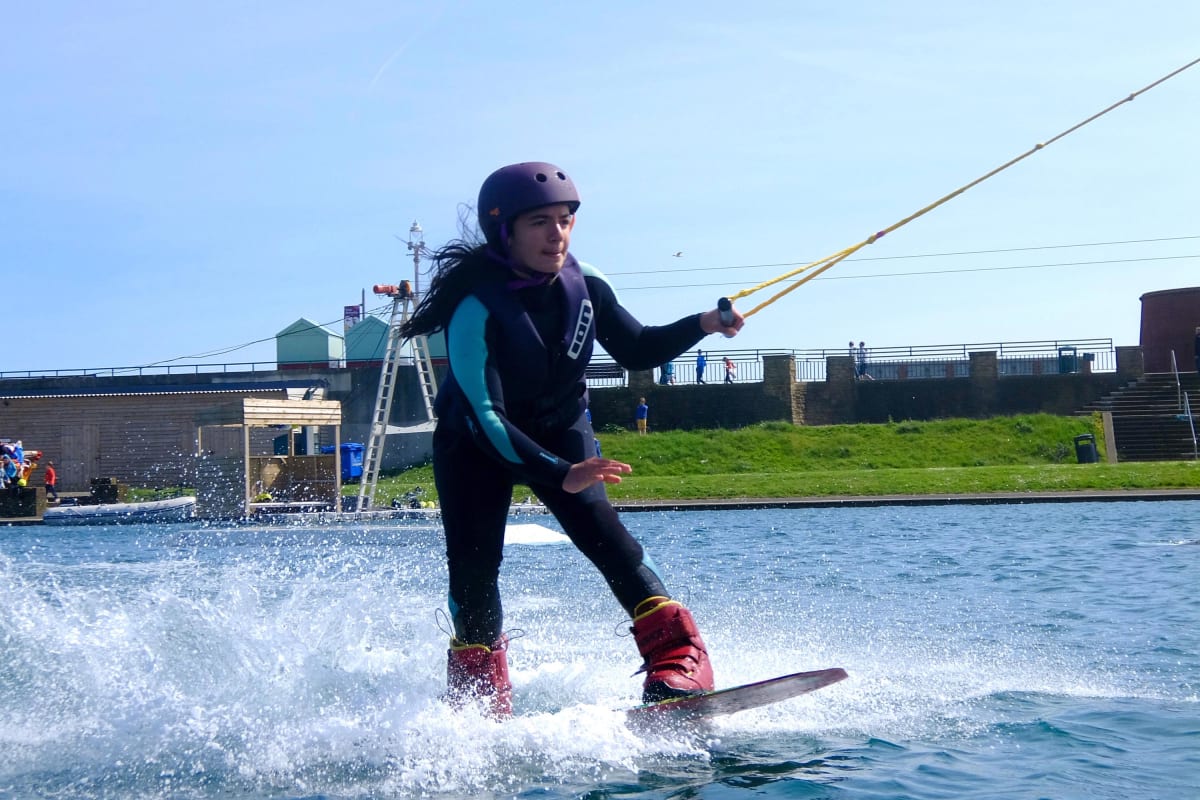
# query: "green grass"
{"type": "Point", "coordinates": [775, 460]}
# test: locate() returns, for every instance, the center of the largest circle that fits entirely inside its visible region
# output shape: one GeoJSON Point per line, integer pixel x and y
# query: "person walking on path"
{"type": "Point", "coordinates": [861, 372]}
{"type": "Point", "coordinates": [641, 414]}
{"type": "Point", "coordinates": [521, 316]}
{"type": "Point", "coordinates": [51, 479]}
{"type": "Point", "coordinates": [701, 362]}
{"type": "Point", "coordinates": [730, 370]}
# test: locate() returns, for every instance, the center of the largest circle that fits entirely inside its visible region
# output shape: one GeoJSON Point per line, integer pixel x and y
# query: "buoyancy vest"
{"type": "Point", "coordinates": [542, 377]}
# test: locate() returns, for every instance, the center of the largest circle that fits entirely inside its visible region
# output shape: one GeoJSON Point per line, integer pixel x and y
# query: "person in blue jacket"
{"type": "Point", "coordinates": [9, 474]}
{"type": "Point", "coordinates": [521, 317]}
{"type": "Point", "coordinates": [667, 374]}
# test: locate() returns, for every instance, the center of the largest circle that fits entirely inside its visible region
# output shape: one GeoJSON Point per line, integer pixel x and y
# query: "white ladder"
{"type": "Point", "coordinates": [420, 346]}
{"type": "Point", "coordinates": [403, 302]}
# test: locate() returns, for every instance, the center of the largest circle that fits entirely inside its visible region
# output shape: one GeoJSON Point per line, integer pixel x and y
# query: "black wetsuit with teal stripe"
{"type": "Point", "coordinates": [511, 410]}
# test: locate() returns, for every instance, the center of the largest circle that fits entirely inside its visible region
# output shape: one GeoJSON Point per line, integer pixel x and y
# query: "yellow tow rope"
{"type": "Point", "coordinates": [825, 263]}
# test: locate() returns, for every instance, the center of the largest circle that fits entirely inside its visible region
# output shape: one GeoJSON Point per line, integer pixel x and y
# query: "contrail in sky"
{"type": "Point", "coordinates": [389, 61]}
{"type": "Point", "coordinates": [400, 50]}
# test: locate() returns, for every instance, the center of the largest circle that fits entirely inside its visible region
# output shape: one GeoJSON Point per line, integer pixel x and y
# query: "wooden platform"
{"type": "Point", "coordinates": [27, 502]}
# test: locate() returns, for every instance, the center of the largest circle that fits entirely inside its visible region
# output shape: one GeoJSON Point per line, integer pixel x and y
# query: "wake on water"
{"type": "Point", "coordinates": [214, 663]}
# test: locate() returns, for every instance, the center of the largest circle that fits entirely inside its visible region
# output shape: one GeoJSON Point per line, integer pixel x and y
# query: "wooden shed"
{"type": "Point", "coordinates": [241, 468]}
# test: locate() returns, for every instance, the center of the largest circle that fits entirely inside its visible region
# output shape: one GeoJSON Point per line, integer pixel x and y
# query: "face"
{"type": "Point", "coordinates": [540, 238]}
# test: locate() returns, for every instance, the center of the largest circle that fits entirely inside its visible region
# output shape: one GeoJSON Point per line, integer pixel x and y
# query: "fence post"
{"type": "Point", "coordinates": [985, 374]}
{"type": "Point", "coordinates": [840, 386]}
{"type": "Point", "coordinates": [641, 381]}
{"type": "Point", "coordinates": [1131, 362]}
{"type": "Point", "coordinates": [779, 382]}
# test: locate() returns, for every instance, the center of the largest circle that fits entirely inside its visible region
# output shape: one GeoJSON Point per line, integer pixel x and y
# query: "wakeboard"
{"type": "Point", "coordinates": [735, 698]}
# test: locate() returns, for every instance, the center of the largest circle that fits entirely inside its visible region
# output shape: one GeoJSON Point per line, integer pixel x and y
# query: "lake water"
{"type": "Point", "coordinates": [1016, 651]}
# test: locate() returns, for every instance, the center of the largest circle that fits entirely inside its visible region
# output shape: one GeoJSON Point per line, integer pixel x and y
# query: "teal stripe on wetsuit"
{"type": "Point", "coordinates": [467, 349]}
{"type": "Point", "coordinates": [590, 271]}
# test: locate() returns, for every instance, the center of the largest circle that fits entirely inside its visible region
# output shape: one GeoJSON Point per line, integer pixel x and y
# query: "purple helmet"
{"type": "Point", "coordinates": [518, 188]}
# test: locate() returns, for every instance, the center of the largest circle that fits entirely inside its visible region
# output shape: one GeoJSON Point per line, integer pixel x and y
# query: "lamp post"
{"type": "Point", "coordinates": [416, 245]}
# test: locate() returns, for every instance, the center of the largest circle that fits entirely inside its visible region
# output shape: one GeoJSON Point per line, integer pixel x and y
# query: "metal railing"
{"type": "Point", "coordinates": [1191, 421]}
{"type": "Point", "coordinates": [1178, 385]}
{"type": "Point", "coordinates": [939, 362]}
{"type": "Point", "coordinates": [165, 369]}
{"type": "Point", "coordinates": [1185, 407]}
{"type": "Point", "coordinates": [884, 363]}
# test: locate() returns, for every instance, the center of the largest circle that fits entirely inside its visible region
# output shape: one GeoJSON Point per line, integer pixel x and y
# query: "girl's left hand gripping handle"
{"type": "Point", "coordinates": [725, 308]}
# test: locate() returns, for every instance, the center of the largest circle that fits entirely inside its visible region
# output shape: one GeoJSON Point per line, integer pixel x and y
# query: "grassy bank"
{"type": "Point", "coordinates": [1025, 453]}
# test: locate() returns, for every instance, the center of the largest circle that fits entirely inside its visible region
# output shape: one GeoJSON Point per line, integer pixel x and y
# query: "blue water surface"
{"type": "Point", "coordinates": [1013, 651]}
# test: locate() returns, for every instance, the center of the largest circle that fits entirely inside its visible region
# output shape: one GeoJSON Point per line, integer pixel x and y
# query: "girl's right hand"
{"type": "Point", "coordinates": [594, 470]}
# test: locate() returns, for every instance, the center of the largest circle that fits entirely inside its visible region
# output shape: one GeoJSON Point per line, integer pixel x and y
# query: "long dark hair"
{"type": "Point", "coordinates": [458, 268]}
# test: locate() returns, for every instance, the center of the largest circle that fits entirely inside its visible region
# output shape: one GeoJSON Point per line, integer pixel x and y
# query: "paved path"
{"type": "Point", "coordinates": [991, 498]}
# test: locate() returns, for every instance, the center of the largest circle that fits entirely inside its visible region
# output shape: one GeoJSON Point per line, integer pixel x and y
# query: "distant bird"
{"type": "Point", "coordinates": [679, 254]}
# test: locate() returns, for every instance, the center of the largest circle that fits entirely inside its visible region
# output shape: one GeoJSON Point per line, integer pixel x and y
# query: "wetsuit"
{"type": "Point", "coordinates": [512, 408]}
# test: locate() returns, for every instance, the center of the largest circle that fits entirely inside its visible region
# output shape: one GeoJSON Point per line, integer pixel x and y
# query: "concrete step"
{"type": "Point", "coordinates": [1145, 419]}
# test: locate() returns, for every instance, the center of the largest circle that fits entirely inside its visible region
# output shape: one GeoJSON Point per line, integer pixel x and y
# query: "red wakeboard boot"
{"type": "Point", "coordinates": [479, 671]}
{"type": "Point", "coordinates": [676, 661]}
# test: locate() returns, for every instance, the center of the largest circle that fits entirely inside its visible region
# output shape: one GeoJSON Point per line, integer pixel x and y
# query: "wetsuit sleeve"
{"type": "Point", "coordinates": [476, 376]}
{"type": "Point", "coordinates": [631, 344]}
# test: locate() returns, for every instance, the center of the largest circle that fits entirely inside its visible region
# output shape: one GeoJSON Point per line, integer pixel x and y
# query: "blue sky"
{"type": "Point", "coordinates": [183, 178]}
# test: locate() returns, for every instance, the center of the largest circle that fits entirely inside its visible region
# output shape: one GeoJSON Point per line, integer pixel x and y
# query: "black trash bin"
{"type": "Point", "coordinates": [1085, 449]}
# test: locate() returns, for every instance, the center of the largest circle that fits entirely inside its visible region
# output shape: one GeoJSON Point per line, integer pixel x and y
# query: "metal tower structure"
{"type": "Point", "coordinates": [404, 302]}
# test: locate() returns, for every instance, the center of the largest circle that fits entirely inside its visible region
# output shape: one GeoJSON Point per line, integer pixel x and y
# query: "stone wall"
{"type": "Point", "coordinates": [141, 429]}
{"type": "Point", "coordinates": [842, 399]}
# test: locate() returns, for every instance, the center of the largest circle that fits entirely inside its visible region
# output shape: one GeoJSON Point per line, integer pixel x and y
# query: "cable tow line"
{"type": "Point", "coordinates": [828, 262]}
